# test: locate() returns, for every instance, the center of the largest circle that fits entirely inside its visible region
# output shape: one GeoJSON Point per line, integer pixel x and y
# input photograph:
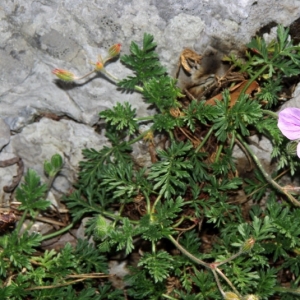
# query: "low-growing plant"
{"type": "Point", "coordinates": [198, 237]}
{"type": "Point", "coordinates": [201, 230]}
{"type": "Point", "coordinates": [27, 272]}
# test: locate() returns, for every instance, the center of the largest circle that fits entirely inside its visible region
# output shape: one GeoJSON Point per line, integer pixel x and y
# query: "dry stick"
{"type": "Point", "coordinates": [55, 286]}
{"type": "Point", "coordinates": [266, 175]}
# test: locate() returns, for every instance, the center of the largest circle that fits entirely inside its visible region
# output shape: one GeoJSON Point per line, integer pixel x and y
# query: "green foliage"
{"type": "Point", "coordinates": [162, 92]}
{"type": "Point", "coordinates": [121, 117]}
{"type": "Point", "coordinates": [31, 193]}
{"type": "Point", "coordinates": [157, 264]}
{"type": "Point", "coordinates": [118, 179]}
{"type": "Point", "coordinates": [269, 93]}
{"type": "Point", "coordinates": [95, 161]}
{"type": "Point", "coordinates": [145, 289]}
{"type": "Point", "coordinates": [15, 251]}
{"type": "Point", "coordinates": [26, 273]}
{"type": "Point", "coordinates": [54, 166]}
{"type": "Point", "coordinates": [243, 113]}
{"type": "Point", "coordinates": [185, 211]}
{"type": "Point", "coordinates": [171, 171]}
{"type": "Point", "coordinates": [143, 61]}
{"type": "Point", "coordinates": [165, 122]}
{"type": "Point", "coordinates": [198, 111]}
{"type": "Point", "coordinates": [278, 55]}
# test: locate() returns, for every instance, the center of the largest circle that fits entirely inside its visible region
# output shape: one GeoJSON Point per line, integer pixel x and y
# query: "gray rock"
{"type": "Point", "coordinates": [4, 134]}
{"type": "Point", "coordinates": [38, 36]}
{"type": "Point", "coordinates": [39, 141]}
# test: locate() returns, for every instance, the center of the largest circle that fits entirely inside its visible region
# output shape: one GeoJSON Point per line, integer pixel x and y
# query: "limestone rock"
{"type": "Point", "coordinates": [4, 134]}
{"type": "Point", "coordinates": [38, 36]}
{"type": "Point", "coordinates": [39, 141]}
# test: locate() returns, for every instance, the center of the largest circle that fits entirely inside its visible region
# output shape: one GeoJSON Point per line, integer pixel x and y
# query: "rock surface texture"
{"type": "Point", "coordinates": [44, 118]}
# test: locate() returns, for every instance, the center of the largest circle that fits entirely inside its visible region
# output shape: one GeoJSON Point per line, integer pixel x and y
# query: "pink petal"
{"type": "Point", "coordinates": [289, 123]}
{"type": "Point", "coordinates": [298, 150]}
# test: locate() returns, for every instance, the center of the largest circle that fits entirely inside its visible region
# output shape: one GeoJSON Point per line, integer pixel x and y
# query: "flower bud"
{"type": "Point", "coordinates": [114, 50]}
{"type": "Point", "coordinates": [291, 147]}
{"type": "Point", "coordinates": [99, 66]}
{"type": "Point", "coordinates": [231, 296]}
{"type": "Point", "coordinates": [64, 75]}
{"type": "Point", "coordinates": [248, 245]}
{"type": "Point", "coordinates": [149, 136]}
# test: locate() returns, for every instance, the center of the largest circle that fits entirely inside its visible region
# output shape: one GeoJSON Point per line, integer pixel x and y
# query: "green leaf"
{"type": "Point", "coordinates": [31, 194]}
{"type": "Point", "coordinates": [158, 264]}
{"type": "Point", "coordinates": [54, 166]}
{"type": "Point", "coordinates": [165, 122]}
{"type": "Point", "coordinates": [171, 173]}
{"type": "Point", "coordinates": [144, 62]}
{"type": "Point", "coordinates": [162, 92]}
{"type": "Point", "coordinates": [124, 236]}
{"type": "Point", "coordinates": [204, 282]}
{"type": "Point", "coordinates": [89, 259]}
{"type": "Point", "coordinates": [123, 181]}
{"type": "Point", "coordinates": [122, 117]}
{"type": "Point", "coordinates": [198, 111]}
{"type": "Point", "coordinates": [14, 249]}
{"type": "Point", "coordinates": [236, 119]}
{"type": "Point", "coordinates": [95, 161]}
{"type": "Point", "coordinates": [263, 229]}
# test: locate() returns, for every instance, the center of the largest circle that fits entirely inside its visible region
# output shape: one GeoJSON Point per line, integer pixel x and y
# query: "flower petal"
{"type": "Point", "coordinates": [289, 122]}
{"type": "Point", "coordinates": [298, 150]}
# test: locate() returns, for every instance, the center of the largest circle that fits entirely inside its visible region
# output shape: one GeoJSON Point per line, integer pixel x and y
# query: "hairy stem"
{"type": "Point", "coordinates": [228, 282]}
{"type": "Point", "coordinates": [58, 232]}
{"type": "Point", "coordinates": [266, 175]}
{"type": "Point", "coordinates": [20, 223]}
{"type": "Point", "coordinates": [188, 254]}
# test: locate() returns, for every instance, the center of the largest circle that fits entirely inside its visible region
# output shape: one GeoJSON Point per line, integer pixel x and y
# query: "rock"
{"type": "Point", "coordinates": [31, 47]}
{"type": "Point", "coordinates": [36, 37]}
{"type": "Point", "coordinates": [6, 175]}
{"type": "Point", "coordinates": [4, 134]}
{"type": "Point", "coordinates": [39, 141]}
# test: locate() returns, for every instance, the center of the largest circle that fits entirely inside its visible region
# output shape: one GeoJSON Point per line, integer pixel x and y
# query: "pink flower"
{"type": "Point", "coordinates": [289, 125]}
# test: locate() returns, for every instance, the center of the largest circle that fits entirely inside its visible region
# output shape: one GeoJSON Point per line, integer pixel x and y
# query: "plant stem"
{"type": "Point", "coordinates": [228, 282]}
{"type": "Point", "coordinates": [148, 204]}
{"type": "Point", "coordinates": [220, 148]}
{"type": "Point", "coordinates": [218, 282]}
{"type": "Point", "coordinates": [265, 174]}
{"type": "Point", "coordinates": [287, 290]}
{"type": "Point", "coordinates": [179, 222]}
{"type": "Point", "coordinates": [204, 140]}
{"type": "Point", "coordinates": [114, 78]}
{"type": "Point", "coordinates": [188, 254]}
{"type": "Point", "coordinates": [270, 113]}
{"type": "Point", "coordinates": [20, 223]}
{"type": "Point", "coordinates": [149, 118]}
{"type": "Point", "coordinates": [139, 137]}
{"type": "Point", "coordinates": [212, 267]}
{"type": "Point", "coordinates": [168, 297]}
{"type": "Point", "coordinates": [234, 256]}
{"type": "Point", "coordinates": [155, 203]}
{"type": "Point", "coordinates": [86, 75]}
{"type": "Point", "coordinates": [56, 233]}
{"type": "Point", "coordinates": [252, 79]}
